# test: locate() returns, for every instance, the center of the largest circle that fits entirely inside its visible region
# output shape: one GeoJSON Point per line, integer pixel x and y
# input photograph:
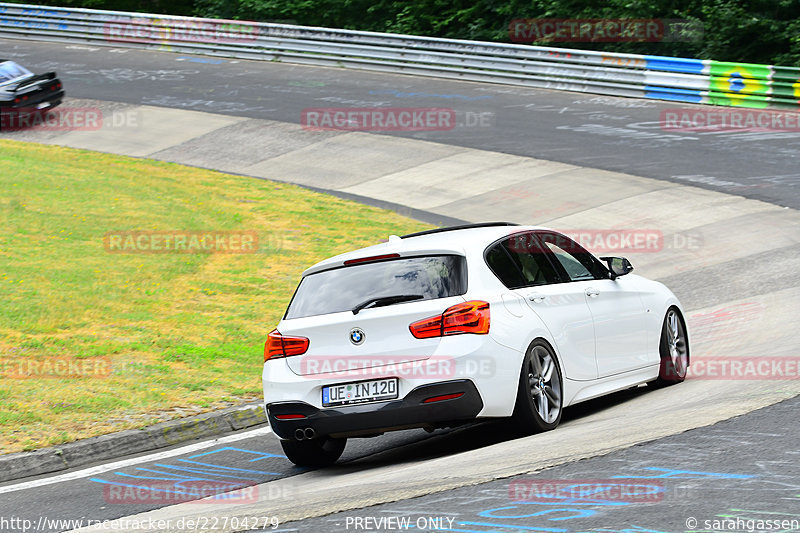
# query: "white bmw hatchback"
{"type": "Point", "coordinates": [451, 325]}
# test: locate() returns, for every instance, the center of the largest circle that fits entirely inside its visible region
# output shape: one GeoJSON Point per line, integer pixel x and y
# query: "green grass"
{"type": "Point", "coordinates": [176, 330]}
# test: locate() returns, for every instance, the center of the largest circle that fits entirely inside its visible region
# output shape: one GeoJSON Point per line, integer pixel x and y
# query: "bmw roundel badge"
{"type": "Point", "coordinates": [357, 336]}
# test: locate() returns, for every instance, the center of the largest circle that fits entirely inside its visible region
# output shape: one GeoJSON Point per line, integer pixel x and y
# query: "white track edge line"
{"type": "Point", "coordinates": [99, 469]}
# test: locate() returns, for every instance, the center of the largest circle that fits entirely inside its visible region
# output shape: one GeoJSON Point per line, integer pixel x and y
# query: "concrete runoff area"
{"type": "Point", "coordinates": [714, 249]}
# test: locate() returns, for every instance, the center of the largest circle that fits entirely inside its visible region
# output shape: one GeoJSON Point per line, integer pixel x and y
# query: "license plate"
{"type": "Point", "coordinates": [359, 392]}
{"type": "Point", "coordinates": [43, 105]}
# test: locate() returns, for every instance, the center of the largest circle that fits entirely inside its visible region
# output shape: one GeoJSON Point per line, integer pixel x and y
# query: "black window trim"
{"type": "Point", "coordinates": [511, 259]}
{"type": "Point", "coordinates": [547, 253]}
{"type": "Point", "coordinates": [596, 262]}
{"type": "Point", "coordinates": [551, 257]}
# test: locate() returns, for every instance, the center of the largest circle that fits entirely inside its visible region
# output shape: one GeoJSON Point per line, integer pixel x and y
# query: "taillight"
{"type": "Point", "coordinates": [278, 345]}
{"type": "Point", "coordinates": [468, 317]}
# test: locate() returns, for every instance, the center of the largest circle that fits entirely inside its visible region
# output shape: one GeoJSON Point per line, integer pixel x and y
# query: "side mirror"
{"type": "Point", "coordinates": [618, 266]}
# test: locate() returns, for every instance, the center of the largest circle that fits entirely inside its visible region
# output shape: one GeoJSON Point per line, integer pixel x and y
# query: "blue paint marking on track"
{"type": "Point", "coordinates": [685, 474]}
{"type": "Point", "coordinates": [579, 513]}
{"type": "Point", "coordinates": [174, 477]}
{"type": "Point", "coordinates": [190, 492]}
{"type": "Point", "coordinates": [230, 468]}
{"type": "Point", "coordinates": [264, 455]}
{"type": "Point", "coordinates": [201, 471]}
{"type": "Point", "coordinates": [192, 470]}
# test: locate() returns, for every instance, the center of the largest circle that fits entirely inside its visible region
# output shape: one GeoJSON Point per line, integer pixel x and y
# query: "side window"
{"type": "Point", "coordinates": [577, 262]}
{"type": "Point", "coordinates": [519, 261]}
{"type": "Point", "coordinates": [503, 267]}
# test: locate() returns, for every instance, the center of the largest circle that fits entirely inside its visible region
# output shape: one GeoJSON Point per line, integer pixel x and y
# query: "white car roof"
{"type": "Point", "coordinates": [455, 241]}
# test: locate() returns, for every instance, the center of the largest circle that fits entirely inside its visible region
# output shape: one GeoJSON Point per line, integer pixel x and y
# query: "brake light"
{"type": "Point", "coordinates": [467, 317]}
{"type": "Point", "coordinates": [289, 417]}
{"type": "Point", "coordinates": [373, 258]}
{"type": "Point", "coordinates": [278, 345]}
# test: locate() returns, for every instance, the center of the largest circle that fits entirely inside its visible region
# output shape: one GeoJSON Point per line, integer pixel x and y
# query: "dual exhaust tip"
{"type": "Point", "coordinates": [304, 433]}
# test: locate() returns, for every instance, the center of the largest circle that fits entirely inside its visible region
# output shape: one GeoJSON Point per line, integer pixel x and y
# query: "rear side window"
{"type": "Point", "coordinates": [519, 261]}
{"type": "Point", "coordinates": [341, 289]}
{"type": "Point", "coordinates": [503, 266]}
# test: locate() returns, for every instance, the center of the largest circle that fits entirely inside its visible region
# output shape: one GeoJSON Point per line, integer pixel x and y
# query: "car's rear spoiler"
{"type": "Point", "coordinates": [34, 80]}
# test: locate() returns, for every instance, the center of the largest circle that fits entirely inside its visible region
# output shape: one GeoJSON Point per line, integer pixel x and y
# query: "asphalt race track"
{"type": "Point", "coordinates": [727, 477]}
{"type": "Point", "coordinates": [618, 134]}
{"type": "Point", "coordinates": [739, 286]}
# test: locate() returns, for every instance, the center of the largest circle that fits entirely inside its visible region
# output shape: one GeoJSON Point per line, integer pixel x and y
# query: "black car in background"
{"type": "Point", "coordinates": [23, 92]}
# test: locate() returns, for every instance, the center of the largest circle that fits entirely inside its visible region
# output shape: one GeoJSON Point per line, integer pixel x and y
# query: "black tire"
{"type": "Point", "coordinates": [540, 391]}
{"type": "Point", "coordinates": [322, 451]}
{"type": "Point", "coordinates": [674, 350]}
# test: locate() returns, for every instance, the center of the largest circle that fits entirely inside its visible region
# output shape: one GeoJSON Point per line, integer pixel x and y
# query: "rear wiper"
{"type": "Point", "coordinates": [379, 301]}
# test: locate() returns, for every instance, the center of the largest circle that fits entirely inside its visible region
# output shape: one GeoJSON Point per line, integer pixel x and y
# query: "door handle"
{"type": "Point", "coordinates": [538, 298]}
{"type": "Point", "coordinates": [592, 293]}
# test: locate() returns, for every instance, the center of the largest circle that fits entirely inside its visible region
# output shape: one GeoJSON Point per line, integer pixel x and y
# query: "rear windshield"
{"type": "Point", "coordinates": [11, 71]}
{"type": "Point", "coordinates": [341, 289]}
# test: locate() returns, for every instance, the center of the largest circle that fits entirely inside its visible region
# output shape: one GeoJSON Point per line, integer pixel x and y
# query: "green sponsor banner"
{"type": "Point", "coordinates": [740, 84]}
{"type": "Point", "coordinates": [738, 100]}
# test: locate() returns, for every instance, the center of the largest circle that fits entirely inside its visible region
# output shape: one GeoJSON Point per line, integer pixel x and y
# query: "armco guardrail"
{"type": "Point", "coordinates": [642, 76]}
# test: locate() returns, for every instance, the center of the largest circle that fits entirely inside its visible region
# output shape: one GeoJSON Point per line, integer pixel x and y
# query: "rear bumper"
{"type": "Point", "coordinates": [37, 101]}
{"type": "Point", "coordinates": [375, 418]}
{"type": "Point", "coordinates": [37, 94]}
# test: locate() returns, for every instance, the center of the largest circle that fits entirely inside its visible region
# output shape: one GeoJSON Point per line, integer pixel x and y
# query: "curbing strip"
{"type": "Point", "coordinates": [132, 441]}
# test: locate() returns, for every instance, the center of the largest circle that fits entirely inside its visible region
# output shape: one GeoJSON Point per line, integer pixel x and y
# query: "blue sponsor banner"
{"type": "Point", "coordinates": [670, 93]}
{"type": "Point", "coordinates": [674, 64]}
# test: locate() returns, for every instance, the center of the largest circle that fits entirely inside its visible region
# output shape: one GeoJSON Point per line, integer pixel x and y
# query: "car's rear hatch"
{"type": "Point", "coordinates": [377, 334]}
